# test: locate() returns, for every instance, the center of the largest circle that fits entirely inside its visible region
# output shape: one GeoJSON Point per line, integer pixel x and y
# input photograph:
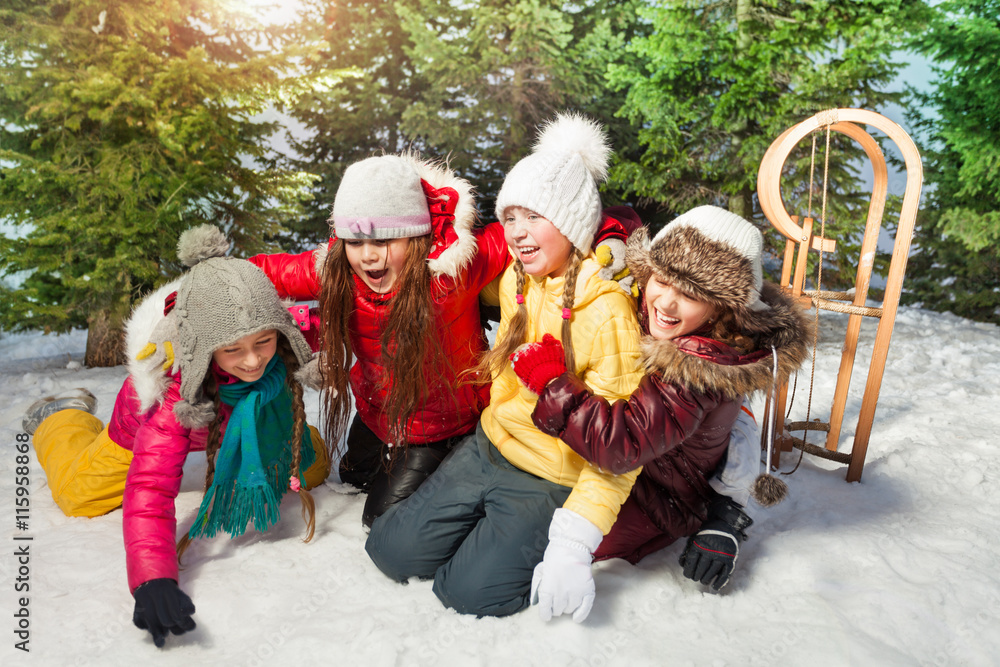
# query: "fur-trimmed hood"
{"type": "Point", "coordinates": [707, 365]}
{"type": "Point", "coordinates": [452, 205]}
{"type": "Point", "coordinates": [148, 324]}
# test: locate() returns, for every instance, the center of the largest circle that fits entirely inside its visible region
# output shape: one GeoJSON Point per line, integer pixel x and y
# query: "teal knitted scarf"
{"type": "Point", "coordinates": [253, 463]}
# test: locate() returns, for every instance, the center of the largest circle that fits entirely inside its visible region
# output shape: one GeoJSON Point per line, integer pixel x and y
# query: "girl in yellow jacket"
{"type": "Point", "coordinates": [514, 514]}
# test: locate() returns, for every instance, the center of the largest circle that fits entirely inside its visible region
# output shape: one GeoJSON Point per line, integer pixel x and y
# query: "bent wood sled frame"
{"type": "Point", "coordinates": [801, 239]}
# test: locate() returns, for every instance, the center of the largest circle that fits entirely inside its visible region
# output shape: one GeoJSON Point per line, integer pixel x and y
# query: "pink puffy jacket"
{"type": "Point", "coordinates": [159, 445]}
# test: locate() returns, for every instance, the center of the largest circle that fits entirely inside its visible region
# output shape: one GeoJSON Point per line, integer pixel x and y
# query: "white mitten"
{"type": "Point", "coordinates": [563, 583]}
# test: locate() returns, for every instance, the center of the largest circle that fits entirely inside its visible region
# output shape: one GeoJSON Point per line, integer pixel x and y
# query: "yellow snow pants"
{"type": "Point", "coordinates": [86, 469]}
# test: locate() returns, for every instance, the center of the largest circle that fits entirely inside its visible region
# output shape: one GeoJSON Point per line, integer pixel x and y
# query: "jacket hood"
{"type": "Point", "coordinates": [146, 325]}
{"type": "Point", "coordinates": [452, 205]}
{"type": "Point", "coordinates": [707, 365]}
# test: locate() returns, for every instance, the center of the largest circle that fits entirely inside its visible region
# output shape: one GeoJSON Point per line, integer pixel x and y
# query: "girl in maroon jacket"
{"type": "Point", "coordinates": [716, 332]}
{"type": "Point", "coordinates": [212, 360]}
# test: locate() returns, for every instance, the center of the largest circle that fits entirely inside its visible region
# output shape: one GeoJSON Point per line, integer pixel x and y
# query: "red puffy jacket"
{"type": "Point", "coordinates": [452, 408]}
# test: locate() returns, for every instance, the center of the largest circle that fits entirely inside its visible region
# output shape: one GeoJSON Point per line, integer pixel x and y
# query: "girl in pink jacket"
{"type": "Point", "coordinates": [213, 366]}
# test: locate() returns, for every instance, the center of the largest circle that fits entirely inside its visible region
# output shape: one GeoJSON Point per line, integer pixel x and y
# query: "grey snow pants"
{"type": "Point", "coordinates": [477, 526]}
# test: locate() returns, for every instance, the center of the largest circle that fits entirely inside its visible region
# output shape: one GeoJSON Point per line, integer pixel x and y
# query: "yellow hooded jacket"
{"type": "Point", "coordinates": [605, 335]}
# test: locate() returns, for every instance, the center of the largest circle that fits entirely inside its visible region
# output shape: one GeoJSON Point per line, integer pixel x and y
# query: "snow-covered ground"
{"type": "Point", "coordinates": [900, 569]}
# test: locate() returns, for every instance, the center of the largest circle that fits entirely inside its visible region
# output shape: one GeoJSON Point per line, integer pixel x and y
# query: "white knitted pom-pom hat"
{"type": "Point", "coordinates": [559, 179]}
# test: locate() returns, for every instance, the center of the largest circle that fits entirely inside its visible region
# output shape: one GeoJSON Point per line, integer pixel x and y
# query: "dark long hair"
{"type": "Point", "coordinates": [724, 329]}
{"type": "Point", "coordinates": [411, 350]}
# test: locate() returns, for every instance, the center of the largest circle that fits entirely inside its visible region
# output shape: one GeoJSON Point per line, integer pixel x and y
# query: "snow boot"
{"type": "Point", "coordinates": [76, 399]}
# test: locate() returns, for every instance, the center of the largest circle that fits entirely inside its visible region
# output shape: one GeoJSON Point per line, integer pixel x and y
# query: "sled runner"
{"type": "Point", "coordinates": [802, 239]}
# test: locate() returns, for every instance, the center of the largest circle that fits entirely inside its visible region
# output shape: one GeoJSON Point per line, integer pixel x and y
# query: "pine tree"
{"type": "Point", "coordinates": [957, 263]}
{"type": "Point", "coordinates": [717, 82]}
{"type": "Point", "coordinates": [361, 116]}
{"type": "Point", "coordinates": [122, 124]}
{"type": "Point", "coordinates": [465, 82]}
{"type": "Point", "coordinates": [496, 70]}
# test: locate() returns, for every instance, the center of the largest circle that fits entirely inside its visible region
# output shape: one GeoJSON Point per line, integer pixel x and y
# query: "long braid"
{"type": "Point", "coordinates": [211, 389]}
{"type": "Point", "coordinates": [496, 359]}
{"type": "Point", "coordinates": [298, 429]}
{"type": "Point", "coordinates": [568, 300]}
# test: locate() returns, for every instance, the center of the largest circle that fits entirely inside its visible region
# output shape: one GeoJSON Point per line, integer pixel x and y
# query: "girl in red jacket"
{"type": "Point", "coordinates": [213, 358]}
{"type": "Point", "coordinates": [716, 332]}
{"type": "Point", "coordinates": [398, 286]}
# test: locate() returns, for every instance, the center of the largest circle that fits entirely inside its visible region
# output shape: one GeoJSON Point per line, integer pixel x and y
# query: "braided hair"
{"type": "Point", "coordinates": [496, 359]}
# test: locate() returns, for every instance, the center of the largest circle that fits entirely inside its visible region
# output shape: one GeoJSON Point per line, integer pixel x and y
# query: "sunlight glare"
{"type": "Point", "coordinates": [273, 12]}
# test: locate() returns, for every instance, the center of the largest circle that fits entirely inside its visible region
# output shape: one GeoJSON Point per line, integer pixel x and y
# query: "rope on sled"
{"type": "Point", "coordinates": [819, 286]}
{"type": "Point", "coordinates": [829, 301]}
{"type": "Point", "coordinates": [822, 452]}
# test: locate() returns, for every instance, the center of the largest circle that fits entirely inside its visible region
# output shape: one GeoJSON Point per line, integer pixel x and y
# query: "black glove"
{"type": "Point", "coordinates": [710, 554]}
{"type": "Point", "coordinates": [160, 606]}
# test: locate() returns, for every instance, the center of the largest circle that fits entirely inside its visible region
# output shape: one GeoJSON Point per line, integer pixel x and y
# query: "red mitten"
{"type": "Point", "coordinates": [538, 363]}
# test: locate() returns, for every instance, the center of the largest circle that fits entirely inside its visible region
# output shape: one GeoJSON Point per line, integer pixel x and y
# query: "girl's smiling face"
{"type": "Point", "coordinates": [247, 357]}
{"type": "Point", "coordinates": [533, 239]}
{"type": "Point", "coordinates": [673, 313]}
{"type": "Point", "coordinates": [377, 262]}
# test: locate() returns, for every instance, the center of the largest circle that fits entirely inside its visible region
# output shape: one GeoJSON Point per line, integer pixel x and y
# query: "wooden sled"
{"type": "Point", "coordinates": [801, 239]}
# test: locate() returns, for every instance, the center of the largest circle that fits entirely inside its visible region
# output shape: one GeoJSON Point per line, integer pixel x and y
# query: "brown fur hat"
{"type": "Point", "coordinates": [711, 255]}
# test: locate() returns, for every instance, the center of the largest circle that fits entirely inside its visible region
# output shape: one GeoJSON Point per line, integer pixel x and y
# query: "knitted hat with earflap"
{"type": "Point", "coordinates": [220, 300]}
{"type": "Point", "coordinates": [559, 179]}
{"type": "Point", "coordinates": [714, 256]}
{"type": "Point", "coordinates": [380, 198]}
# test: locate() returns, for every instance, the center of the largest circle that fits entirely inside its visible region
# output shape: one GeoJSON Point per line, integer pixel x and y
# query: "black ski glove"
{"type": "Point", "coordinates": [710, 555]}
{"type": "Point", "coordinates": [161, 606]}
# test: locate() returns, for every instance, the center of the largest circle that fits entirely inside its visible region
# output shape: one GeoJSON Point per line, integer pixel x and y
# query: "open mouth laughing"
{"type": "Point", "coordinates": [527, 252]}
{"type": "Point", "coordinates": [664, 321]}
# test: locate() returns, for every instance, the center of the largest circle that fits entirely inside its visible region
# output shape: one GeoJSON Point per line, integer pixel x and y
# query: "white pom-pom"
{"type": "Point", "coordinates": [201, 243]}
{"type": "Point", "coordinates": [575, 133]}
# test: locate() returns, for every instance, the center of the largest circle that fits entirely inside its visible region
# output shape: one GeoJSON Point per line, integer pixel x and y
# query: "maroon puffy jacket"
{"type": "Point", "coordinates": [678, 436]}
{"type": "Point", "coordinates": [676, 424]}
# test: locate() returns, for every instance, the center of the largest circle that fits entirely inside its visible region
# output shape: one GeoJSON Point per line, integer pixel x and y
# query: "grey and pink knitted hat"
{"type": "Point", "coordinates": [380, 198]}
